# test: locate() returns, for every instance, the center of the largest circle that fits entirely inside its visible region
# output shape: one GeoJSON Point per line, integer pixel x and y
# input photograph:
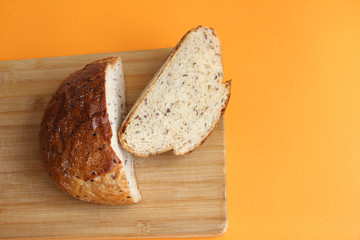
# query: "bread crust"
{"type": "Point", "coordinates": [75, 139]}
{"type": "Point", "coordinates": [148, 89]}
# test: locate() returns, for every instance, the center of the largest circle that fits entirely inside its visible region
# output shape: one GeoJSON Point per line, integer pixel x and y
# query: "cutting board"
{"type": "Point", "coordinates": [181, 196]}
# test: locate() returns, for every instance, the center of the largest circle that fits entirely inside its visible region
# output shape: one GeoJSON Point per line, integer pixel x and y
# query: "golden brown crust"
{"type": "Point", "coordinates": [147, 90]}
{"type": "Point", "coordinates": [75, 136]}
{"type": "Point", "coordinates": [108, 188]}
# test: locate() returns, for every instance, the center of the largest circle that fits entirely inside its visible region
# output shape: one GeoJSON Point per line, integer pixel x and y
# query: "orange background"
{"type": "Point", "coordinates": [293, 122]}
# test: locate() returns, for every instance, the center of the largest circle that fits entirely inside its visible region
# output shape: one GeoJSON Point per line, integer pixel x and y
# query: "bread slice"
{"type": "Point", "coordinates": [183, 102]}
{"type": "Point", "coordinates": [78, 136]}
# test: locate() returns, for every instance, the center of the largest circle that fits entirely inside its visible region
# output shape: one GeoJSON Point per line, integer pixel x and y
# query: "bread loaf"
{"type": "Point", "coordinates": [183, 102]}
{"type": "Point", "coordinates": [78, 136]}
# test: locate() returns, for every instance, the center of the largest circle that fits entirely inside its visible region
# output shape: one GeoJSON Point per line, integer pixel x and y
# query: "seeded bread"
{"type": "Point", "coordinates": [78, 136]}
{"type": "Point", "coordinates": [183, 102]}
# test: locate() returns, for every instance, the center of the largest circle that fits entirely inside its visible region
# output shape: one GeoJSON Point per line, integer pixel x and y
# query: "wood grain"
{"type": "Point", "coordinates": [182, 196]}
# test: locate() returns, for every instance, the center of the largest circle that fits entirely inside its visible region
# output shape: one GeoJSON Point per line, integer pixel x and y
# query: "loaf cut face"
{"type": "Point", "coordinates": [183, 102]}
{"type": "Point", "coordinates": [78, 136]}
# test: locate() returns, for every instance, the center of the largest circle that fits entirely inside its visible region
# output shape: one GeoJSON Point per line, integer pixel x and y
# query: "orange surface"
{"type": "Point", "coordinates": [293, 122]}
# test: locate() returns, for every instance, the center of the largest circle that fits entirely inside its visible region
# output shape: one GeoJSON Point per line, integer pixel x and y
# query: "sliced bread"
{"type": "Point", "coordinates": [183, 102]}
{"type": "Point", "coordinates": [78, 136]}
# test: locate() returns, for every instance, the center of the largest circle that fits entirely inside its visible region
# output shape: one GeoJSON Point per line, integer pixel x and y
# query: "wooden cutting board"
{"type": "Point", "coordinates": [182, 196]}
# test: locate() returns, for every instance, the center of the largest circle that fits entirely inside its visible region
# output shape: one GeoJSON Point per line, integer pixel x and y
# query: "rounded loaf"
{"type": "Point", "coordinates": [75, 138]}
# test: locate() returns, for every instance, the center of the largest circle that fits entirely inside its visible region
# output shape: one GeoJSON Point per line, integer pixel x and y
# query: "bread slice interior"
{"type": "Point", "coordinates": [116, 108]}
{"type": "Point", "coordinates": [183, 102]}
